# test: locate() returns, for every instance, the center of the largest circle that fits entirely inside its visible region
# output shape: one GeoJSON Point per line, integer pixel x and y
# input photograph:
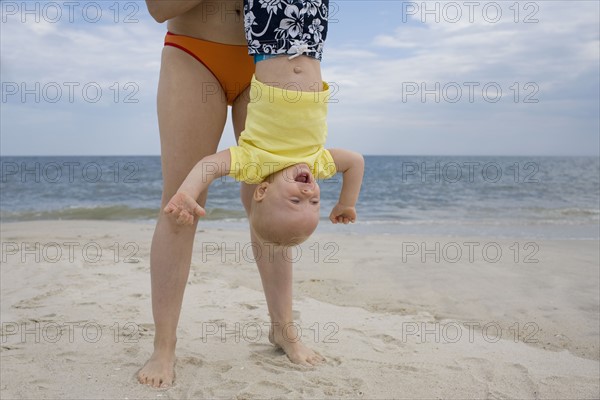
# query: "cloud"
{"type": "Point", "coordinates": [69, 61]}
{"type": "Point", "coordinates": [373, 66]}
{"type": "Point", "coordinates": [81, 52]}
{"type": "Point", "coordinates": [546, 62]}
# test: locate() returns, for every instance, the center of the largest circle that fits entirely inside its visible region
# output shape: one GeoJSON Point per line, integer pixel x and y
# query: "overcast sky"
{"type": "Point", "coordinates": [456, 78]}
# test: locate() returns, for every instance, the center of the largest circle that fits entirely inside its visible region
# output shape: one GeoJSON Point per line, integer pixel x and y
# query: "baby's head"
{"type": "Point", "coordinates": [285, 207]}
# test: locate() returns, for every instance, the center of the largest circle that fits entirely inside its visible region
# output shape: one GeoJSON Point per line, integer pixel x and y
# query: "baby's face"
{"type": "Point", "coordinates": [295, 190]}
{"type": "Point", "coordinates": [288, 205]}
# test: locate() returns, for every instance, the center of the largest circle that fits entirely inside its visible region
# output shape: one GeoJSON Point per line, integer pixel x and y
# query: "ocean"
{"type": "Point", "coordinates": [537, 197]}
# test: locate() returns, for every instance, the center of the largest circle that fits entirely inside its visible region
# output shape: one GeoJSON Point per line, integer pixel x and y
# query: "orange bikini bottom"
{"type": "Point", "coordinates": [230, 64]}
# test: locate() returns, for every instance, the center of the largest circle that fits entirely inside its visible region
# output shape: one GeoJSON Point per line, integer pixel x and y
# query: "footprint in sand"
{"type": "Point", "coordinates": [275, 390]}
{"type": "Point", "coordinates": [391, 342]}
{"type": "Point", "coordinates": [33, 302]}
{"type": "Point", "coordinates": [10, 347]}
{"type": "Point", "coordinates": [492, 375]}
{"type": "Point", "coordinates": [248, 306]}
{"type": "Point", "coordinates": [190, 360]}
{"type": "Point", "coordinates": [229, 389]}
{"type": "Point", "coordinates": [275, 358]}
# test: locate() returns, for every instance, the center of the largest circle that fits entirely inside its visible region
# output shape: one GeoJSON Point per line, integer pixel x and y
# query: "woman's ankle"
{"type": "Point", "coordinates": [165, 345]}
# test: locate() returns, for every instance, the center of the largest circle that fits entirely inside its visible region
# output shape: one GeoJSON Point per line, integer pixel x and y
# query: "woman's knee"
{"type": "Point", "coordinates": [170, 225]}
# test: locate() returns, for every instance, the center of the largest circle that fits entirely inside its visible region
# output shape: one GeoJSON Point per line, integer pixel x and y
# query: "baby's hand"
{"type": "Point", "coordinates": [183, 208]}
{"type": "Point", "coordinates": [342, 214]}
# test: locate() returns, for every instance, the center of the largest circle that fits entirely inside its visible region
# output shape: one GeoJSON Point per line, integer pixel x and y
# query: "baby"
{"type": "Point", "coordinates": [281, 149]}
{"type": "Point", "coordinates": [282, 152]}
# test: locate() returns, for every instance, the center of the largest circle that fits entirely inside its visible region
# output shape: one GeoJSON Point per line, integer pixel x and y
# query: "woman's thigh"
{"type": "Point", "coordinates": [190, 120]}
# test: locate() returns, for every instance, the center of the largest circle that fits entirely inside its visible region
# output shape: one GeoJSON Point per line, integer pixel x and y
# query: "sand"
{"type": "Point", "coordinates": [392, 321]}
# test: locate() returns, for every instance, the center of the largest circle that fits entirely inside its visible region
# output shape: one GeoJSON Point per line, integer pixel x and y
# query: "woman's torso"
{"type": "Point", "coordinates": [219, 21]}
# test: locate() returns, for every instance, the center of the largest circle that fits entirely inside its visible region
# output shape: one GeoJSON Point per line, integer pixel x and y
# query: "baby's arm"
{"type": "Point", "coordinates": [352, 165]}
{"type": "Point", "coordinates": [183, 206]}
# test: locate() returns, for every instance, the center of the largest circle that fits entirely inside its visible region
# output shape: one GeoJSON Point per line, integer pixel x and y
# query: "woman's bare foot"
{"type": "Point", "coordinates": [286, 337]}
{"type": "Point", "coordinates": [183, 208]}
{"type": "Point", "coordinates": [159, 370]}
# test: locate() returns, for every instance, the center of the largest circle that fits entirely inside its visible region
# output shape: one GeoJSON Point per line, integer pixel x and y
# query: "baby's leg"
{"type": "Point", "coordinates": [275, 270]}
{"type": "Point", "coordinates": [275, 274]}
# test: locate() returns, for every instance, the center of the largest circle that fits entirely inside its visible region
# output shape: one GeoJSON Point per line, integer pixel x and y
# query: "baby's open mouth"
{"type": "Point", "coordinates": [303, 177]}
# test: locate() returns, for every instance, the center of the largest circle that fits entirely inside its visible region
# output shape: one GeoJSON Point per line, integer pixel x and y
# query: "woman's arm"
{"type": "Point", "coordinates": [163, 10]}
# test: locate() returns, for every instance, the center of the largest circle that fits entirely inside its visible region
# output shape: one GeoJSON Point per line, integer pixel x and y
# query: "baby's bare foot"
{"type": "Point", "coordinates": [159, 371]}
{"type": "Point", "coordinates": [297, 352]}
{"type": "Point", "coordinates": [184, 209]}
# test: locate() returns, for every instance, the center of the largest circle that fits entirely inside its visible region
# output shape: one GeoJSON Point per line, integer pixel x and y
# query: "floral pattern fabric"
{"type": "Point", "coordinates": [286, 26]}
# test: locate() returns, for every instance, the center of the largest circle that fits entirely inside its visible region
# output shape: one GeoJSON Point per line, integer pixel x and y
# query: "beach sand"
{"type": "Point", "coordinates": [487, 319]}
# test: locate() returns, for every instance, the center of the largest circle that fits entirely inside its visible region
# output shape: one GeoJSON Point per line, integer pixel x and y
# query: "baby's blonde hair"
{"type": "Point", "coordinates": [279, 228]}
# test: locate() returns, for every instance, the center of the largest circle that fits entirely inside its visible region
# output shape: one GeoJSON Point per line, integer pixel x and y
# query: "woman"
{"type": "Point", "coordinates": [203, 69]}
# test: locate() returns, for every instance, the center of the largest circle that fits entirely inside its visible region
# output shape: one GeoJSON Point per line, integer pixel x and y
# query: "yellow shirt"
{"type": "Point", "coordinates": [283, 128]}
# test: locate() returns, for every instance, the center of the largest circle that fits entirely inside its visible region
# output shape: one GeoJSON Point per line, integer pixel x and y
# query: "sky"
{"type": "Point", "coordinates": [410, 78]}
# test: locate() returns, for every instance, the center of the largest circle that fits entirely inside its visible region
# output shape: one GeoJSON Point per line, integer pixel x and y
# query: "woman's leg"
{"type": "Point", "coordinates": [190, 126]}
{"type": "Point", "coordinates": [275, 273]}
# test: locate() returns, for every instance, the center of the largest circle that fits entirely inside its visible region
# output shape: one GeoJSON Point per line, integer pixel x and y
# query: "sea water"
{"type": "Point", "coordinates": [541, 197]}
